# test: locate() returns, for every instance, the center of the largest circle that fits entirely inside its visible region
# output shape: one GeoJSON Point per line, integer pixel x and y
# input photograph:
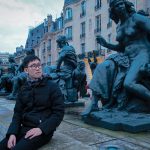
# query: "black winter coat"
{"type": "Point", "coordinates": [40, 105]}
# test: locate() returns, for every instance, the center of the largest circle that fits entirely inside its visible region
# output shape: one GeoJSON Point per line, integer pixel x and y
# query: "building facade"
{"type": "Point", "coordinates": [4, 62]}
{"type": "Point", "coordinates": [81, 21]}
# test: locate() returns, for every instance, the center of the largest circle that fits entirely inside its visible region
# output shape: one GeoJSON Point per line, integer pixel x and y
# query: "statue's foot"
{"type": "Point", "coordinates": [11, 97]}
{"type": "Point", "coordinates": [89, 109]}
{"type": "Point", "coordinates": [108, 106]}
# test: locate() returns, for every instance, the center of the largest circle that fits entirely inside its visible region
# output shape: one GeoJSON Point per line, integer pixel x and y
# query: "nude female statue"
{"type": "Point", "coordinates": [132, 31]}
{"type": "Point", "coordinates": [132, 37]}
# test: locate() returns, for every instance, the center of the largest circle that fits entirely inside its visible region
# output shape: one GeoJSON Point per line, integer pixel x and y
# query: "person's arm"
{"type": "Point", "coordinates": [50, 124]}
{"type": "Point", "coordinates": [60, 59]}
{"type": "Point", "coordinates": [17, 116]}
{"type": "Point", "coordinates": [142, 21]}
{"type": "Point", "coordinates": [118, 47]}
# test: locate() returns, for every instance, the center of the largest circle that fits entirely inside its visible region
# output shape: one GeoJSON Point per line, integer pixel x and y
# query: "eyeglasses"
{"type": "Point", "coordinates": [34, 66]}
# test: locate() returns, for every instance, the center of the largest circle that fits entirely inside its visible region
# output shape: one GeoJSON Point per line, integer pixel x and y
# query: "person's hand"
{"type": "Point", "coordinates": [33, 133]}
{"type": "Point", "coordinates": [101, 41]}
{"type": "Point", "coordinates": [11, 142]}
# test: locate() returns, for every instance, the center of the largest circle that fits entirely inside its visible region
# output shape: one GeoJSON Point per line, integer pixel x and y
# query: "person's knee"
{"type": "Point", "coordinates": [128, 85]}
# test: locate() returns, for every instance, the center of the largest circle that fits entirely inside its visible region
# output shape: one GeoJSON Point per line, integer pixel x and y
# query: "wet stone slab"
{"type": "Point", "coordinates": [63, 142]}
{"type": "Point", "coordinates": [84, 135]}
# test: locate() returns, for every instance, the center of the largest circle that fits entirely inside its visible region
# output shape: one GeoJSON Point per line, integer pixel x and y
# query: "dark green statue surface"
{"type": "Point", "coordinates": [6, 78]}
{"type": "Point", "coordinates": [122, 82]}
{"type": "Point", "coordinates": [19, 78]}
{"type": "Point", "coordinates": [68, 73]}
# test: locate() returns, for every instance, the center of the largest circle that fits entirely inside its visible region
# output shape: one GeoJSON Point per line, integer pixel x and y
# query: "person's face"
{"type": "Point", "coordinates": [119, 7]}
{"type": "Point", "coordinates": [34, 69]}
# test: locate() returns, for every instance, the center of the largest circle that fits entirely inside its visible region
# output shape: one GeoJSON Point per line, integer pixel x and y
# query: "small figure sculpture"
{"type": "Point", "coordinates": [5, 82]}
{"type": "Point", "coordinates": [68, 57]}
{"type": "Point", "coordinates": [19, 79]}
{"type": "Point", "coordinates": [69, 74]}
{"type": "Point", "coordinates": [79, 79]}
{"type": "Point", "coordinates": [94, 63]}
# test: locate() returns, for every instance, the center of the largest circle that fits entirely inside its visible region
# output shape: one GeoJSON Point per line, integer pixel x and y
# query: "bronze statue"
{"type": "Point", "coordinates": [79, 79]}
{"type": "Point", "coordinates": [68, 73]}
{"type": "Point", "coordinates": [6, 79]}
{"type": "Point", "coordinates": [19, 79]}
{"type": "Point", "coordinates": [94, 63]}
{"type": "Point", "coordinates": [68, 57]}
{"type": "Point", "coordinates": [129, 90]}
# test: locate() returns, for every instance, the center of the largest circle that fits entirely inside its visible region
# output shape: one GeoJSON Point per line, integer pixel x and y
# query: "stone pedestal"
{"type": "Point", "coordinates": [119, 120]}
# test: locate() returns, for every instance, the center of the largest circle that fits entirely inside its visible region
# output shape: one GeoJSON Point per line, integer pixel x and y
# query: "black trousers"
{"type": "Point", "coordinates": [26, 144]}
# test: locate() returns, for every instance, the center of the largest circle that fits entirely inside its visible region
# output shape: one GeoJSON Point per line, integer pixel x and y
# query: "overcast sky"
{"type": "Point", "coordinates": [16, 16]}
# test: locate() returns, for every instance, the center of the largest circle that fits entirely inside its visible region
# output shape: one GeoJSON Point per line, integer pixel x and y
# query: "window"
{"type": "Point", "coordinates": [98, 4]}
{"type": "Point", "coordinates": [68, 33]}
{"type": "Point", "coordinates": [44, 47]}
{"type": "Point", "coordinates": [90, 24]}
{"type": "Point", "coordinates": [60, 24]}
{"type": "Point", "coordinates": [68, 14]}
{"type": "Point", "coordinates": [109, 24]}
{"type": "Point", "coordinates": [49, 59]}
{"type": "Point", "coordinates": [98, 23]}
{"type": "Point", "coordinates": [83, 48]}
{"type": "Point", "coordinates": [83, 9]}
{"type": "Point", "coordinates": [49, 45]}
{"type": "Point", "coordinates": [82, 30]}
{"type": "Point", "coordinates": [109, 40]}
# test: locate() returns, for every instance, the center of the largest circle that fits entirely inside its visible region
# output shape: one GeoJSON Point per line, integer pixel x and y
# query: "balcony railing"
{"type": "Point", "coordinates": [48, 48]}
{"type": "Point", "coordinates": [82, 35]}
{"type": "Point", "coordinates": [43, 50]}
{"type": "Point", "coordinates": [82, 14]}
{"type": "Point", "coordinates": [97, 7]}
{"type": "Point", "coordinates": [68, 20]}
{"type": "Point", "coordinates": [97, 30]}
{"type": "Point", "coordinates": [109, 24]}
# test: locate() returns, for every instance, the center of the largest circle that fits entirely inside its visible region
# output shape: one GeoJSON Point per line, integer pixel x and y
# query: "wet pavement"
{"type": "Point", "coordinates": [73, 134]}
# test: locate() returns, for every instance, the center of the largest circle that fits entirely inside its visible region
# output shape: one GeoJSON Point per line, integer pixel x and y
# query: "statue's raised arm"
{"type": "Point", "coordinates": [118, 47]}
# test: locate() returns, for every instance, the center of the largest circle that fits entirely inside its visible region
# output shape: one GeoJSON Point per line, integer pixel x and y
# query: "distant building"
{"type": "Point", "coordinates": [4, 60]}
{"type": "Point", "coordinates": [43, 39]}
{"type": "Point", "coordinates": [19, 54]}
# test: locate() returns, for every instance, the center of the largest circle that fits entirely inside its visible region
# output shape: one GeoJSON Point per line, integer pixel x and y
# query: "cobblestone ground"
{"type": "Point", "coordinates": [73, 134]}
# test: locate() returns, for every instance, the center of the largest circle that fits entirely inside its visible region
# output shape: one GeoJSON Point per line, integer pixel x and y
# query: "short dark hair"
{"type": "Point", "coordinates": [29, 59]}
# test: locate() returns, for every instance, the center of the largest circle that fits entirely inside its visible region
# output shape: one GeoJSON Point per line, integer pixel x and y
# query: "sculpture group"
{"type": "Point", "coordinates": [121, 83]}
{"type": "Point", "coordinates": [70, 76]}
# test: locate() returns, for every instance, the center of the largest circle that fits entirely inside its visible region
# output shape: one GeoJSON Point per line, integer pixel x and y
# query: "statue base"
{"type": "Point", "coordinates": [4, 93]}
{"type": "Point", "coordinates": [119, 120]}
{"type": "Point", "coordinates": [74, 104]}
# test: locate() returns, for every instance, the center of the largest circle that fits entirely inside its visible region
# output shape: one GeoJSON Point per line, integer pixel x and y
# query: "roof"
{"type": "Point", "coordinates": [68, 2]}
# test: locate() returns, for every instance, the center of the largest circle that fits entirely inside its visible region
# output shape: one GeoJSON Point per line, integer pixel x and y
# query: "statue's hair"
{"type": "Point", "coordinates": [129, 7]}
{"type": "Point", "coordinates": [62, 39]}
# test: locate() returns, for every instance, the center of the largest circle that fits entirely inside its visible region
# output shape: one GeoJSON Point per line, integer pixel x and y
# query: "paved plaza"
{"type": "Point", "coordinates": [73, 134]}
